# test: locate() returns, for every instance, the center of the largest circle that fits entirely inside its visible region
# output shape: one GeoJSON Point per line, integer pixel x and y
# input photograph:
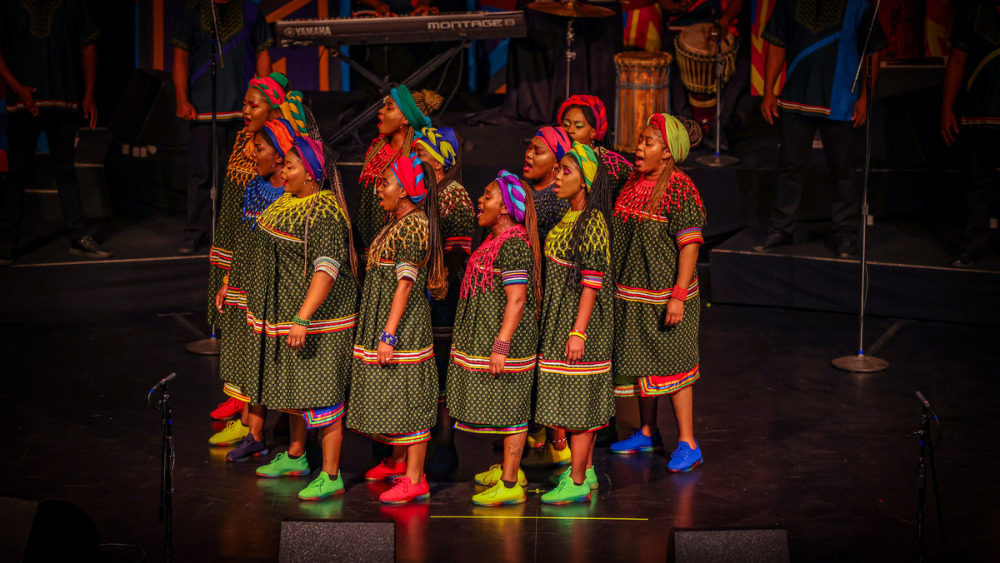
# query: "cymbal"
{"type": "Point", "coordinates": [571, 9]}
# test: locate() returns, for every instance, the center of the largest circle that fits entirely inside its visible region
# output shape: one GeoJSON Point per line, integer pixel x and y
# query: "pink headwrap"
{"type": "Point", "coordinates": [595, 104]}
{"type": "Point", "coordinates": [556, 139]}
{"type": "Point", "coordinates": [409, 173]}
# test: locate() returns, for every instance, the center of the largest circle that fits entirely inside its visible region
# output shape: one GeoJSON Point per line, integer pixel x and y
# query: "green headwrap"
{"type": "Point", "coordinates": [404, 100]}
{"type": "Point", "coordinates": [585, 156]}
{"type": "Point", "coordinates": [674, 134]}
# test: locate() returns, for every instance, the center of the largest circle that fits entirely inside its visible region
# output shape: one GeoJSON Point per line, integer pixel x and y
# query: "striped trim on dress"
{"type": "Point", "coordinates": [563, 367]}
{"type": "Point", "coordinates": [316, 326]}
{"type": "Point", "coordinates": [404, 439]}
{"type": "Point", "coordinates": [324, 416]}
{"type": "Point", "coordinates": [235, 392]}
{"type": "Point", "coordinates": [455, 243]}
{"type": "Point", "coordinates": [486, 429]}
{"type": "Point", "coordinates": [221, 258]}
{"type": "Point", "coordinates": [478, 363]}
{"type": "Point", "coordinates": [398, 356]}
{"type": "Point", "coordinates": [652, 296]}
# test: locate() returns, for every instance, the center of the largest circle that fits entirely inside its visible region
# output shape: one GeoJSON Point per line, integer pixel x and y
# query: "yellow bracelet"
{"type": "Point", "coordinates": [578, 333]}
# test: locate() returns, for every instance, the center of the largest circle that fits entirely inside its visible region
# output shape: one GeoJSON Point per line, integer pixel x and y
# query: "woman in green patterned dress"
{"type": "Point", "coordinates": [585, 120]}
{"type": "Point", "coordinates": [394, 384]}
{"type": "Point", "coordinates": [657, 232]}
{"type": "Point", "coordinates": [302, 306]}
{"type": "Point", "coordinates": [261, 103]}
{"type": "Point", "coordinates": [493, 356]}
{"type": "Point", "coordinates": [574, 366]}
{"type": "Point", "coordinates": [239, 379]}
{"type": "Point", "coordinates": [442, 150]}
{"type": "Point", "coordinates": [400, 120]}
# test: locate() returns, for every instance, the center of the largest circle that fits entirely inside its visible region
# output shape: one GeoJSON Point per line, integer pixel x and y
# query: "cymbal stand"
{"type": "Point", "coordinates": [718, 160]}
{"type": "Point", "coordinates": [570, 53]}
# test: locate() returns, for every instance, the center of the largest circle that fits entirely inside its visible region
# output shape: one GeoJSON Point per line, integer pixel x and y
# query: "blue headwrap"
{"type": "Point", "coordinates": [441, 143]}
{"type": "Point", "coordinates": [311, 152]}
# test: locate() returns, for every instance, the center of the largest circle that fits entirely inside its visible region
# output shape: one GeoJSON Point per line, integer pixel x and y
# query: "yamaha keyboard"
{"type": "Point", "coordinates": [463, 26]}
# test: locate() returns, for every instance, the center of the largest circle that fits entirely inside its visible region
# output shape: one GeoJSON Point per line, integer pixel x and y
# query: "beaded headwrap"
{"type": "Point", "coordinates": [311, 152]}
{"type": "Point", "coordinates": [280, 132]}
{"type": "Point", "coordinates": [295, 112]}
{"type": "Point", "coordinates": [404, 100]}
{"type": "Point", "coordinates": [409, 172]}
{"type": "Point", "coordinates": [585, 156]}
{"type": "Point", "coordinates": [674, 134]}
{"type": "Point", "coordinates": [272, 86]}
{"type": "Point", "coordinates": [595, 104]}
{"type": "Point", "coordinates": [512, 191]}
{"type": "Point", "coordinates": [441, 143]}
{"type": "Point", "coordinates": [556, 139]}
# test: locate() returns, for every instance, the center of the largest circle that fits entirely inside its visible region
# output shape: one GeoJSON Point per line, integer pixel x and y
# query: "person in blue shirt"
{"type": "Point", "coordinates": [821, 42]}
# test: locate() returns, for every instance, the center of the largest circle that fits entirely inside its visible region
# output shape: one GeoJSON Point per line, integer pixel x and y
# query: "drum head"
{"type": "Point", "coordinates": [643, 58]}
{"type": "Point", "coordinates": [695, 39]}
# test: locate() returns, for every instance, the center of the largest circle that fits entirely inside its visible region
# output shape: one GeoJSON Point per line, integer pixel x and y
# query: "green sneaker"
{"type": "Point", "coordinates": [284, 466]}
{"type": "Point", "coordinates": [567, 492]}
{"type": "Point", "coordinates": [232, 434]}
{"type": "Point", "coordinates": [322, 486]}
{"type": "Point", "coordinates": [492, 476]}
{"type": "Point", "coordinates": [590, 473]}
{"type": "Point", "coordinates": [499, 495]}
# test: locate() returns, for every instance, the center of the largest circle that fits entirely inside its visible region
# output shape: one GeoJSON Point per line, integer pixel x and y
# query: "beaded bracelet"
{"type": "Point", "coordinates": [300, 321]}
{"type": "Point", "coordinates": [678, 292]}
{"type": "Point", "coordinates": [501, 347]}
{"type": "Point", "coordinates": [578, 333]}
{"type": "Point", "coordinates": [389, 339]}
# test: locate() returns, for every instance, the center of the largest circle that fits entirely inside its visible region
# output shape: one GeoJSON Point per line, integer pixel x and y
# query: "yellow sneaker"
{"type": "Point", "coordinates": [232, 434]}
{"type": "Point", "coordinates": [546, 456]}
{"type": "Point", "coordinates": [499, 495]}
{"type": "Point", "coordinates": [492, 476]}
{"type": "Point", "coordinates": [536, 439]}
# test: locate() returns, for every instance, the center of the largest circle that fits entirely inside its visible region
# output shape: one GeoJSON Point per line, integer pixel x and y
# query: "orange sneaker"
{"type": "Point", "coordinates": [405, 490]}
{"type": "Point", "coordinates": [232, 407]}
{"type": "Point", "coordinates": [386, 470]}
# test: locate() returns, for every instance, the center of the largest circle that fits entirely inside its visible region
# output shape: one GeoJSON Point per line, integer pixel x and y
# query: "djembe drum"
{"type": "Point", "coordinates": [643, 89]}
{"type": "Point", "coordinates": [696, 48]}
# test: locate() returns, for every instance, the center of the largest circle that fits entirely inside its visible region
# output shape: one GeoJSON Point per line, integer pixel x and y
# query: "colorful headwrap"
{"type": "Point", "coordinates": [513, 194]}
{"type": "Point", "coordinates": [280, 132]}
{"type": "Point", "coordinates": [674, 134]}
{"type": "Point", "coordinates": [311, 152]}
{"type": "Point", "coordinates": [588, 162]}
{"type": "Point", "coordinates": [404, 100]}
{"type": "Point", "coordinates": [556, 139]}
{"type": "Point", "coordinates": [409, 172]}
{"type": "Point", "coordinates": [441, 143]}
{"type": "Point", "coordinates": [273, 87]}
{"type": "Point", "coordinates": [294, 111]}
{"type": "Point", "coordinates": [595, 104]}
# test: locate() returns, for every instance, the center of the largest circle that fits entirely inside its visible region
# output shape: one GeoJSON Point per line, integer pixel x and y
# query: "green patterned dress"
{"type": "Point", "coordinates": [650, 357]}
{"type": "Point", "coordinates": [619, 168]}
{"type": "Point", "coordinates": [287, 256]}
{"type": "Point", "coordinates": [370, 217]}
{"type": "Point", "coordinates": [239, 378]}
{"type": "Point", "coordinates": [578, 396]}
{"type": "Point", "coordinates": [480, 402]}
{"type": "Point", "coordinates": [395, 404]}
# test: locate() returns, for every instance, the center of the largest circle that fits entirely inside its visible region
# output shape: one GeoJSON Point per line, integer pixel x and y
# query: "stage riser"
{"type": "Point", "coordinates": [748, 278]}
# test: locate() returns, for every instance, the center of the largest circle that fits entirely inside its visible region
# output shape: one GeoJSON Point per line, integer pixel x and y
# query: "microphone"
{"type": "Point", "coordinates": [163, 382]}
{"type": "Point", "coordinates": [920, 396]}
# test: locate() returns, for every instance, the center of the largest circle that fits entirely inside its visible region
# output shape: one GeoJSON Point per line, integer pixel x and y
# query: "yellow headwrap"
{"type": "Point", "coordinates": [585, 156]}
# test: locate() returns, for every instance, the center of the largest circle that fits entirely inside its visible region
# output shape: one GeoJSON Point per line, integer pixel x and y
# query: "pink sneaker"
{"type": "Point", "coordinates": [229, 409]}
{"type": "Point", "coordinates": [405, 490]}
{"type": "Point", "coordinates": [386, 470]}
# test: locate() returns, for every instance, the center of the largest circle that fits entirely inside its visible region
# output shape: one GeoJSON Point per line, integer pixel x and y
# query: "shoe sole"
{"type": "Point", "coordinates": [213, 416]}
{"type": "Point", "coordinates": [584, 498]}
{"type": "Point", "coordinates": [647, 449]}
{"type": "Point", "coordinates": [424, 496]}
{"type": "Point", "coordinates": [696, 464]}
{"type": "Point", "coordinates": [289, 474]}
{"type": "Point", "coordinates": [326, 496]}
{"type": "Point", "coordinates": [386, 478]}
{"type": "Point", "coordinates": [225, 444]}
{"type": "Point", "coordinates": [244, 458]}
{"type": "Point", "coordinates": [593, 486]}
{"type": "Point", "coordinates": [521, 500]}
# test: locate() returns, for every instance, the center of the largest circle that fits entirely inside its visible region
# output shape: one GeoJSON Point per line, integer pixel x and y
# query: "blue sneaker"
{"type": "Point", "coordinates": [248, 448]}
{"type": "Point", "coordinates": [684, 458]}
{"type": "Point", "coordinates": [637, 442]}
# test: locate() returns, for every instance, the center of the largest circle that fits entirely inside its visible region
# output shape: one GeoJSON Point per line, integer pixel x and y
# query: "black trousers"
{"type": "Point", "coordinates": [23, 130]}
{"type": "Point", "coordinates": [982, 196]}
{"type": "Point", "coordinates": [841, 144]}
{"type": "Point", "coordinates": [199, 186]}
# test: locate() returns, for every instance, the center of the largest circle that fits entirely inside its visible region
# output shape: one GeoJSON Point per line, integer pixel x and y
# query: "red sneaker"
{"type": "Point", "coordinates": [386, 470]}
{"type": "Point", "coordinates": [232, 407]}
{"type": "Point", "coordinates": [405, 490]}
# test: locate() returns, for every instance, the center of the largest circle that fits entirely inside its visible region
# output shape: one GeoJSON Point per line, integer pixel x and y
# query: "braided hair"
{"type": "Point", "coordinates": [427, 101]}
{"type": "Point", "coordinates": [600, 200]}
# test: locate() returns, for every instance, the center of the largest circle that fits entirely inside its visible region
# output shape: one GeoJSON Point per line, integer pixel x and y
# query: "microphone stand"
{"type": "Point", "coordinates": [718, 159]}
{"type": "Point", "coordinates": [926, 455]}
{"type": "Point", "coordinates": [210, 346]}
{"type": "Point", "coordinates": [860, 363]}
{"type": "Point", "coordinates": [166, 509]}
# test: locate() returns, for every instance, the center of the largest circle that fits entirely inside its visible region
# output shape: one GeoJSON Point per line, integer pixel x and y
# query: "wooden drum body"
{"type": "Point", "coordinates": [696, 51]}
{"type": "Point", "coordinates": [643, 83]}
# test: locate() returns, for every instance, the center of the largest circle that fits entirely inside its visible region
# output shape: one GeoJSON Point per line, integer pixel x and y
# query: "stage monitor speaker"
{"type": "Point", "coordinates": [320, 541]}
{"type": "Point", "coordinates": [52, 530]}
{"type": "Point", "coordinates": [729, 546]}
{"type": "Point", "coordinates": [147, 113]}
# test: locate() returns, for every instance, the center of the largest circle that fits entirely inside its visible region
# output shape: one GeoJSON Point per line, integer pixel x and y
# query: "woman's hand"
{"type": "Point", "coordinates": [296, 337]}
{"type": "Point", "coordinates": [385, 352]}
{"type": "Point", "coordinates": [220, 297]}
{"type": "Point", "coordinates": [675, 312]}
{"type": "Point", "coordinates": [497, 362]}
{"type": "Point", "coordinates": [574, 349]}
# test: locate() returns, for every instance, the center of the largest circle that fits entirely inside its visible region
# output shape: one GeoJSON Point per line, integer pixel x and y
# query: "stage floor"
{"type": "Point", "coordinates": [789, 442]}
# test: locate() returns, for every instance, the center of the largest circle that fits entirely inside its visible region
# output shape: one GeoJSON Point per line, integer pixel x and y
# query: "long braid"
{"type": "Point", "coordinates": [531, 225]}
{"type": "Point", "coordinates": [437, 273]}
{"type": "Point", "coordinates": [599, 200]}
{"type": "Point", "coordinates": [337, 187]}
